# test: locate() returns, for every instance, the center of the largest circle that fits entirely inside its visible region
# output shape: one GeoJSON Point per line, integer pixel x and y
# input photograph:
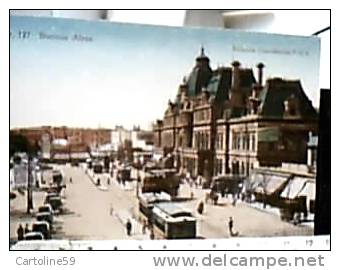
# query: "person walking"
{"type": "Point", "coordinates": [70, 180]}
{"type": "Point", "coordinates": [111, 209]}
{"type": "Point", "coordinates": [20, 232]}
{"type": "Point", "coordinates": [128, 227]}
{"type": "Point", "coordinates": [200, 208]}
{"type": "Point", "coordinates": [234, 199]}
{"type": "Point", "coordinates": [152, 234]}
{"type": "Point", "coordinates": [144, 226]}
{"type": "Point", "coordinates": [27, 230]}
{"type": "Point", "coordinates": [231, 226]}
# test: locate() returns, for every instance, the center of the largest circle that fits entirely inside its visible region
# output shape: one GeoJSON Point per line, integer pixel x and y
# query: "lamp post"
{"type": "Point", "coordinates": [138, 181]}
{"type": "Point", "coordinates": [29, 186]}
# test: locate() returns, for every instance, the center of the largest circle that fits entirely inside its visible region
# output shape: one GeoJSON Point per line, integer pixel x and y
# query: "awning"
{"type": "Point", "coordinates": [299, 186]}
{"type": "Point", "coordinates": [265, 182]}
{"type": "Point", "coordinates": [309, 190]}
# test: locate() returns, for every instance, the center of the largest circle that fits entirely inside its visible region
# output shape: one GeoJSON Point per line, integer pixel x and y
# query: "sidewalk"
{"type": "Point", "coordinates": [129, 185]}
{"type": "Point", "coordinates": [137, 231]}
{"type": "Point", "coordinates": [18, 211]}
{"type": "Point", "coordinates": [122, 214]}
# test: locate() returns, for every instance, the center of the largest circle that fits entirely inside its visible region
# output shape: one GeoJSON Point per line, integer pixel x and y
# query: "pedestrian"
{"type": "Point", "coordinates": [70, 180]}
{"type": "Point", "coordinates": [200, 208]}
{"type": "Point", "coordinates": [27, 230]}
{"type": "Point", "coordinates": [223, 193]}
{"type": "Point", "coordinates": [231, 225]}
{"type": "Point", "coordinates": [144, 226]}
{"type": "Point", "coordinates": [207, 196]}
{"type": "Point", "coordinates": [111, 209]}
{"type": "Point", "coordinates": [187, 177]}
{"type": "Point", "coordinates": [128, 227]}
{"type": "Point", "coordinates": [200, 180]}
{"type": "Point", "coordinates": [108, 181]}
{"type": "Point", "coordinates": [20, 232]}
{"type": "Point", "coordinates": [152, 234]}
{"type": "Point", "coordinates": [234, 199]}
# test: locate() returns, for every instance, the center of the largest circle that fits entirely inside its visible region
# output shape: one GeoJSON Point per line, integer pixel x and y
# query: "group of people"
{"type": "Point", "coordinates": [200, 210]}
{"type": "Point", "coordinates": [193, 181]}
{"type": "Point", "coordinates": [145, 226]}
{"type": "Point", "coordinates": [21, 231]}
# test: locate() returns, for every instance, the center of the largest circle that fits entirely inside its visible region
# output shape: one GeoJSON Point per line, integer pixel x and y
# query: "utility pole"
{"type": "Point", "coordinates": [138, 182]}
{"type": "Point", "coordinates": [29, 185]}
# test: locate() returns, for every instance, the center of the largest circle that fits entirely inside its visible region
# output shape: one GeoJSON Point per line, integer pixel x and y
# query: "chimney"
{"type": "Point", "coordinates": [260, 67]}
{"type": "Point", "coordinates": [235, 83]}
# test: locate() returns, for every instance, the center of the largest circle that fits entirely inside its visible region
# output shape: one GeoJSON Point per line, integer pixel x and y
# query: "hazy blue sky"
{"type": "Point", "coordinates": [128, 72]}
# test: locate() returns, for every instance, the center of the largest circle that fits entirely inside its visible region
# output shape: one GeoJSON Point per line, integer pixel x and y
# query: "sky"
{"type": "Point", "coordinates": [126, 73]}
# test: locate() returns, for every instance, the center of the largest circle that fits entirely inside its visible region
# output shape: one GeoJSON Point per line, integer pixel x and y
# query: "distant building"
{"type": "Point", "coordinates": [225, 121]}
{"type": "Point", "coordinates": [46, 146]}
{"type": "Point", "coordinates": [118, 136]}
{"type": "Point", "coordinates": [65, 140]}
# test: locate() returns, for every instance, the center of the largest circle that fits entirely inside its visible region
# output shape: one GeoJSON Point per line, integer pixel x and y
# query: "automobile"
{"type": "Point", "coordinates": [56, 204]}
{"type": "Point", "coordinates": [227, 184]}
{"type": "Point", "coordinates": [51, 195]}
{"type": "Point", "coordinates": [42, 227]}
{"type": "Point", "coordinates": [46, 208]}
{"type": "Point", "coordinates": [57, 177]}
{"type": "Point", "coordinates": [75, 164]}
{"type": "Point", "coordinates": [45, 216]}
{"type": "Point", "coordinates": [34, 236]}
{"type": "Point", "coordinates": [56, 188]}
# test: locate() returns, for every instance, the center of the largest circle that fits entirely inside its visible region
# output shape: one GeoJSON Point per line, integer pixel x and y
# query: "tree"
{"type": "Point", "coordinates": [19, 143]}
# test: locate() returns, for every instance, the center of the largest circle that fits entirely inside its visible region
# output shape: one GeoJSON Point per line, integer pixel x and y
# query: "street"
{"type": "Point", "coordinates": [88, 214]}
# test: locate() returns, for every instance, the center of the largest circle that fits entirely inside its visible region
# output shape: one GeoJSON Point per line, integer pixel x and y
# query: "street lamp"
{"type": "Point", "coordinates": [138, 181]}
{"type": "Point", "coordinates": [29, 186]}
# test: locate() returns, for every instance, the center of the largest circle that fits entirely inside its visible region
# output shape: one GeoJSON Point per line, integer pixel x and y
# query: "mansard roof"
{"type": "Point", "coordinates": [277, 91]}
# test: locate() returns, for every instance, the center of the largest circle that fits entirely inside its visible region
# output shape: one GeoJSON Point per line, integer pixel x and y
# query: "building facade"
{"type": "Point", "coordinates": [77, 139]}
{"type": "Point", "coordinates": [227, 121]}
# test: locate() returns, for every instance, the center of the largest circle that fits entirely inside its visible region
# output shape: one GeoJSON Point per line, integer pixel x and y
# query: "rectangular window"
{"type": "Point", "coordinates": [254, 142]}
{"type": "Point", "coordinates": [220, 138]}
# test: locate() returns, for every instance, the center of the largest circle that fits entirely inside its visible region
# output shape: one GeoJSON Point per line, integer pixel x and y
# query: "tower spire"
{"type": "Point", "coordinates": [202, 50]}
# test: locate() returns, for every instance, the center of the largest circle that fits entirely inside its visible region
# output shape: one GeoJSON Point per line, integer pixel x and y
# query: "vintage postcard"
{"type": "Point", "coordinates": [136, 132]}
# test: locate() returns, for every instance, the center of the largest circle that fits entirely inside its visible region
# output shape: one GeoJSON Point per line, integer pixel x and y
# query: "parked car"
{"type": "Point", "coordinates": [50, 195]}
{"type": "Point", "coordinates": [57, 177]}
{"type": "Point", "coordinates": [45, 216]}
{"type": "Point", "coordinates": [56, 188]}
{"type": "Point", "coordinates": [42, 227]}
{"type": "Point", "coordinates": [56, 204]}
{"type": "Point", "coordinates": [34, 236]}
{"type": "Point", "coordinates": [46, 208]}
